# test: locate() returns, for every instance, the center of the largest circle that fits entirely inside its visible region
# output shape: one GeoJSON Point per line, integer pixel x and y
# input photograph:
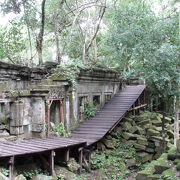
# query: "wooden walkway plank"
{"type": "Point", "coordinates": [109, 116]}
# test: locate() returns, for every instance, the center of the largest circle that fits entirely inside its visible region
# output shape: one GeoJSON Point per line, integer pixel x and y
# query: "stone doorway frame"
{"type": "Point", "coordinates": [61, 112]}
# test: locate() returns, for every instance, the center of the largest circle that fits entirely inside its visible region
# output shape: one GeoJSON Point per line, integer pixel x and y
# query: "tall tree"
{"type": "Point", "coordinates": [39, 40]}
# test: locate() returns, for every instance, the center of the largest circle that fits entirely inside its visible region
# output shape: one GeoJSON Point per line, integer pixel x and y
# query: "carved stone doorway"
{"type": "Point", "coordinates": [55, 112]}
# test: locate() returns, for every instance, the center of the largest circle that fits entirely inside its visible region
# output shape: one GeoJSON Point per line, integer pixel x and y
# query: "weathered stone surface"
{"type": "Point", "coordinates": [159, 168]}
{"type": "Point", "coordinates": [139, 146]}
{"type": "Point", "coordinates": [150, 150]}
{"type": "Point", "coordinates": [110, 143]}
{"type": "Point", "coordinates": [20, 177]}
{"type": "Point", "coordinates": [72, 165]}
{"type": "Point", "coordinates": [130, 162]}
{"type": "Point", "coordinates": [144, 122]}
{"type": "Point", "coordinates": [128, 136]}
{"type": "Point", "coordinates": [176, 161]}
{"type": "Point", "coordinates": [178, 167]}
{"type": "Point", "coordinates": [142, 140]}
{"type": "Point", "coordinates": [144, 157]}
{"type": "Point", "coordinates": [178, 145]}
{"type": "Point", "coordinates": [101, 146]}
{"type": "Point", "coordinates": [4, 134]}
{"type": "Point", "coordinates": [133, 129]}
{"type": "Point", "coordinates": [153, 177]}
{"type": "Point", "coordinates": [64, 172]}
{"type": "Point", "coordinates": [169, 174]}
{"type": "Point", "coordinates": [152, 132]}
{"type": "Point", "coordinates": [170, 133]}
{"type": "Point", "coordinates": [157, 123]}
{"type": "Point", "coordinates": [42, 177]}
{"type": "Point", "coordinates": [127, 126]}
{"type": "Point", "coordinates": [171, 156]}
{"type": "Point", "coordinates": [142, 176]}
{"type": "Point", "coordinates": [2, 177]}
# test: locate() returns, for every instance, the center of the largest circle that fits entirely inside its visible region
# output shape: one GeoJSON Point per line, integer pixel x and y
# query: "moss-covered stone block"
{"type": "Point", "coordinates": [176, 161]}
{"type": "Point", "coordinates": [152, 132]}
{"type": "Point", "coordinates": [157, 123]}
{"type": "Point", "coordinates": [144, 122]}
{"type": "Point", "coordinates": [133, 129]}
{"type": "Point", "coordinates": [169, 174]}
{"type": "Point", "coordinates": [144, 157]}
{"type": "Point", "coordinates": [171, 156]}
{"type": "Point", "coordinates": [159, 168]}
{"type": "Point", "coordinates": [127, 126]}
{"type": "Point", "coordinates": [178, 167]}
{"type": "Point", "coordinates": [178, 145]}
{"type": "Point", "coordinates": [129, 136]}
{"type": "Point", "coordinates": [150, 150]}
{"type": "Point", "coordinates": [153, 177]}
{"type": "Point", "coordinates": [142, 141]}
{"type": "Point", "coordinates": [170, 133]}
{"type": "Point", "coordinates": [142, 175]}
{"type": "Point", "coordinates": [139, 146]}
{"type": "Point", "coordinates": [140, 130]}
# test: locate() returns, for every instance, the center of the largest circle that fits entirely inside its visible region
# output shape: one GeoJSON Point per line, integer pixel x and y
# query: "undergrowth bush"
{"type": "Point", "coordinates": [90, 109]}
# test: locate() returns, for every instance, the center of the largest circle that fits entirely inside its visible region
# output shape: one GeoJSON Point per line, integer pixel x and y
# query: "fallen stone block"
{"type": "Point", "coordinates": [145, 157]}
{"type": "Point", "coordinates": [159, 168]}
{"type": "Point", "coordinates": [178, 167]}
{"type": "Point", "coordinates": [178, 145]}
{"type": "Point", "coordinates": [169, 174]}
{"type": "Point", "coordinates": [127, 126]}
{"type": "Point", "coordinates": [130, 162]}
{"type": "Point", "coordinates": [152, 132]}
{"type": "Point", "coordinates": [153, 177]}
{"type": "Point", "coordinates": [139, 146]}
{"type": "Point", "coordinates": [150, 150]}
{"type": "Point", "coordinates": [142, 140]}
{"type": "Point", "coordinates": [128, 136]}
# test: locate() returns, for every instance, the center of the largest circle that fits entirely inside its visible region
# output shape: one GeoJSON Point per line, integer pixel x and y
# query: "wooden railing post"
{"type": "Point", "coordinates": [11, 168]}
{"type": "Point", "coordinates": [51, 163]}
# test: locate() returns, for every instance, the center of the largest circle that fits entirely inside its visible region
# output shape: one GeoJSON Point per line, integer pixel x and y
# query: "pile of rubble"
{"type": "Point", "coordinates": [166, 167]}
{"type": "Point", "coordinates": [147, 135]}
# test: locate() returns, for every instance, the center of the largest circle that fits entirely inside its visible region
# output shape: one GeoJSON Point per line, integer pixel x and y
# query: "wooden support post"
{"type": "Point", "coordinates": [11, 168]}
{"type": "Point", "coordinates": [61, 112]}
{"type": "Point", "coordinates": [67, 155]}
{"type": "Point", "coordinates": [134, 111]}
{"type": "Point", "coordinates": [80, 158]}
{"type": "Point", "coordinates": [51, 163]}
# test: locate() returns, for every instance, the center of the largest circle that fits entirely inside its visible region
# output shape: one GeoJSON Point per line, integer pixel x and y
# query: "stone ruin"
{"type": "Point", "coordinates": [30, 99]}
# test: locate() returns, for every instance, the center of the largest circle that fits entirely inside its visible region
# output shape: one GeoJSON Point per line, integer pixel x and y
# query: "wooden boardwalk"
{"type": "Point", "coordinates": [110, 115]}
{"type": "Point", "coordinates": [32, 146]}
{"type": "Point", "coordinates": [88, 133]}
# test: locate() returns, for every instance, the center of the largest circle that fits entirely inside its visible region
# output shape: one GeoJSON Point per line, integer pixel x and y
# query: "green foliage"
{"type": "Point", "coordinates": [67, 72]}
{"type": "Point", "coordinates": [11, 42]}
{"type": "Point", "coordinates": [5, 171]}
{"type": "Point", "coordinates": [144, 45]}
{"type": "Point", "coordinates": [60, 129]}
{"type": "Point", "coordinates": [90, 109]}
{"type": "Point", "coordinates": [60, 177]}
{"type": "Point", "coordinates": [29, 174]}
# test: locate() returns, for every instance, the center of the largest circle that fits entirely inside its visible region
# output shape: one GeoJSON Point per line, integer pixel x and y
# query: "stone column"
{"type": "Point", "coordinates": [16, 118]}
{"type": "Point", "coordinates": [38, 115]}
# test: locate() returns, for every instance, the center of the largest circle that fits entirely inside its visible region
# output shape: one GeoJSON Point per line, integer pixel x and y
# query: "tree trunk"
{"type": "Point", "coordinates": [58, 53]}
{"type": "Point", "coordinates": [39, 40]}
{"type": "Point", "coordinates": [176, 120]}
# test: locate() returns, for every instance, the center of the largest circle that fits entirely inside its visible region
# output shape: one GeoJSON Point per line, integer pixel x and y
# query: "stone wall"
{"type": "Point", "coordinates": [92, 85]}
{"type": "Point", "coordinates": [13, 77]}
{"type": "Point", "coordinates": [25, 94]}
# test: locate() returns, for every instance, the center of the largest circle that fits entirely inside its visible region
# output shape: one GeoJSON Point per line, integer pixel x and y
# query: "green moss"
{"type": "Point", "coordinates": [169, 174]}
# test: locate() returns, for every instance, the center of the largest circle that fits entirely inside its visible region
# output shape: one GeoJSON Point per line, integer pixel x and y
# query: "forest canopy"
{"type": "Point", "coordinates": [138, 38]}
